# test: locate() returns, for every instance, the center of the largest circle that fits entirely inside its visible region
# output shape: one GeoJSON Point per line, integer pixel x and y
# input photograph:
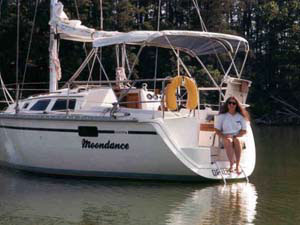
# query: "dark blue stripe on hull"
{"type": "Point", "coordinates": [142, 132]}
{"type": "Point", "coordinates": [75, 130]}
{"type": "Point", "coordinates": [40, 129]}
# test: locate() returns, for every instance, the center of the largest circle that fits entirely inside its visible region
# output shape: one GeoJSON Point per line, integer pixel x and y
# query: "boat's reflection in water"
{"type": "Point", "coordinates": [231, 204]}
{"type": "Point", "coordinates": [30, 199]}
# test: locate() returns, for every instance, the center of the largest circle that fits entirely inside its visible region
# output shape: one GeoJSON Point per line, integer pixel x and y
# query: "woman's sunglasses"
{"type": "Point", "coordinates": [231, 103]}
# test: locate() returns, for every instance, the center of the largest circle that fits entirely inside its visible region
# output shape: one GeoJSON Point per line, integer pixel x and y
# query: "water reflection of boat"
{"type": "Point", "coordinates": [230, 204]}
{"type": "Point", "coordinates": [27, 199]}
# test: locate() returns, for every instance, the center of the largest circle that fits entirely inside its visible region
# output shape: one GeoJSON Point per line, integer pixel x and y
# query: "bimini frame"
{"type": "Point", "coordinates": [194, 43]}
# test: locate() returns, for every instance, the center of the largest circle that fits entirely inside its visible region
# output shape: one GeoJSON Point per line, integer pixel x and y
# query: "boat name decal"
{"type": "Point", "coordinates": [222, 171]}
{"type": "Point", "coordinates": [108, 145]}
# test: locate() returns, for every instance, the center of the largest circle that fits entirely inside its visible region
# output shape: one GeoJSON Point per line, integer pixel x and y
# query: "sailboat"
{"type": "Point", "coordinates": [117, 128]}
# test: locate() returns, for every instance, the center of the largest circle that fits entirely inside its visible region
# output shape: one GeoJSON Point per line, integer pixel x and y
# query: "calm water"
{"type": "Point", "coordinates": [272, 197]}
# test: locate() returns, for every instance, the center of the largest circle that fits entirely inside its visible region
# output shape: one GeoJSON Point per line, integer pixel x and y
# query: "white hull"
{"type": "Point", "coordinates": [127, 149]}
{"type": "Point", "coordinates": [120, 128]}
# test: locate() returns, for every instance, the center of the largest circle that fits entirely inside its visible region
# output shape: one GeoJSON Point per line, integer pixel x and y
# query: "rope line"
{"type": "Point", "coordinates": [29, 46]}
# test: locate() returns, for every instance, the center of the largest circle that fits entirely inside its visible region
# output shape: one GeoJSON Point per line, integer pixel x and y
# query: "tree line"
{"type": "Point", "coordinates": [271, 27]}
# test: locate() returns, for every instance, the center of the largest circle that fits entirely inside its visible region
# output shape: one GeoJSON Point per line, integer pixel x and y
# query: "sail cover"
{"type": "Point", "coordinates": [73, 29]}
{"type": "Point", "coordinates": [193, 42]}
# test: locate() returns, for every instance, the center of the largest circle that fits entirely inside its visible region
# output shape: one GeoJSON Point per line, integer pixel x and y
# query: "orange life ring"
{"type": "Point", "coordinates": [192, 92]}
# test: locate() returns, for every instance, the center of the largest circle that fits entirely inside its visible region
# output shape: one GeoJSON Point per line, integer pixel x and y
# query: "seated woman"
{"type": "Point", "coordinates": [230, 126]}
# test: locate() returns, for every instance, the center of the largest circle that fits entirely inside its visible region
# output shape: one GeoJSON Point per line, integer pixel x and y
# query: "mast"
{"type": "Point", "coordinates": [52, 53]}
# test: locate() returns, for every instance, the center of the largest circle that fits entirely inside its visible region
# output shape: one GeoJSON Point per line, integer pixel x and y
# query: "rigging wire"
{"type": "Point", "coordinates": [93, 63]}
{"type": "Point", "coordinates": [1, 1]}
{"type": "Point", "coordinates": [17, 54]}
{"type": "Point", "coordinates": [77, 11]}
{"type": "Point", "coordinates": [195, 2]}
{"type": "Point", "coordinates": [158, 16]}
{"type": "Point", "coordinates": [102, 68]}
{"type": "Point", "coordinates": [101, 28]}
{"type": "Point", "coordinates": [156, 52]}
{"type": "Point", "coordinates": [126, 60]}
{"type": "Point", "coordinates": [29, 46]}
{"type": "Point", "coordinates": [5, 92]}
{"type": "Point", "coordinates": [101, 15]}
{"type": "Point", "coordinates": [81, 67]}
{"type": "Point", "coordinates": [83, 45]}
{"type": "Point", "coordinates": [199, 14]}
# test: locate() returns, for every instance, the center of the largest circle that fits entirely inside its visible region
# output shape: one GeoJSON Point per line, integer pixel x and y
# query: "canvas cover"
{"type": "Point", "coordinates": [192, 42]}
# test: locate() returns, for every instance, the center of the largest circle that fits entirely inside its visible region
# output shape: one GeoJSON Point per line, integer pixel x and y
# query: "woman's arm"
{"type": "Point", "coordinates": [241, 133]}
{"type": "Point", "coordinates": [219, 133]}
{"type": "Point", "coordinates": [243, 130]}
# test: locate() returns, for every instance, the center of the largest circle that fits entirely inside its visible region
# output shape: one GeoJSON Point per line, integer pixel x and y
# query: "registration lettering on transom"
{"type": "Point", "coordinates": [222, 171]}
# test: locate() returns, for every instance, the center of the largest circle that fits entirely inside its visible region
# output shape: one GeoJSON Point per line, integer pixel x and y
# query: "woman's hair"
{"type": "Point", "coordinates": [239, 108]}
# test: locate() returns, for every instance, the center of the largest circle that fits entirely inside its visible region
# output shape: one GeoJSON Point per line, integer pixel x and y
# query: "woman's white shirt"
{"type": "Point", "coordinates": [230, 124]}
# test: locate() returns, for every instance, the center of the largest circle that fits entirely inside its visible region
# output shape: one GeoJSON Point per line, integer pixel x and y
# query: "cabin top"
{"type": "Point", "coordinates": [84, 98]}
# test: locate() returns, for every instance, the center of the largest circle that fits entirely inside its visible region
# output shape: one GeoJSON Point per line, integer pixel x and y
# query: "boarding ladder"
{"type": "Point", "coordinates": [215, 155]}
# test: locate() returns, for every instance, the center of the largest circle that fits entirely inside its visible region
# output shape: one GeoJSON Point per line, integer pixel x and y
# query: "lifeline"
{"type": "Point", "coordinates": [91, 145]}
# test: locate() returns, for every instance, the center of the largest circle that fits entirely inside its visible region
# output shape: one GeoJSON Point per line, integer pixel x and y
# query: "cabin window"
{"type": "Point", "coordinates": [61, 104]}
{"type": "Point", "coordinates": [40, 105]}
{"type": "Point", "coordinates": [25, 105]}
{"type": "Point", "coordinates": [87, 131]}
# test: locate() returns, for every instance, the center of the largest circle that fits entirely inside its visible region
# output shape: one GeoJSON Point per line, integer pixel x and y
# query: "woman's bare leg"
{"type": "Point", "coordinates": [228, 145]}
{"type": "Point", "coordinates": [238, 151]}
